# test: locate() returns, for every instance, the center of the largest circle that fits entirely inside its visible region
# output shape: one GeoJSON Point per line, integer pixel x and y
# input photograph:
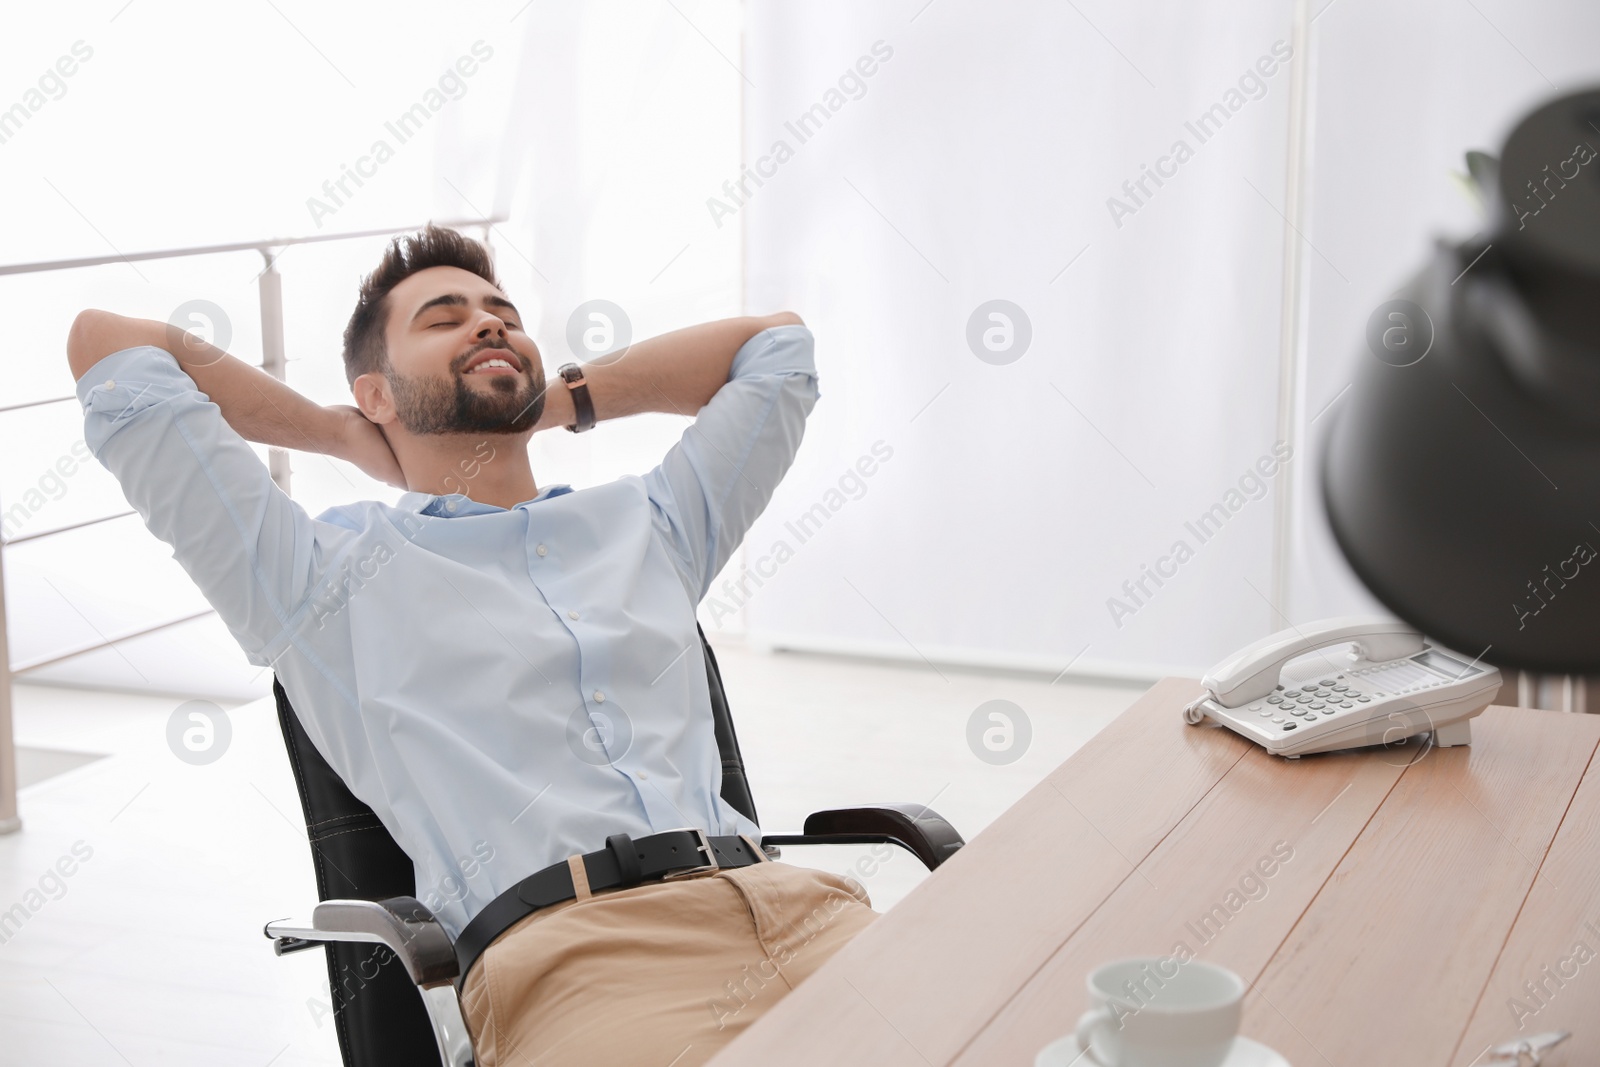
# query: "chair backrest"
{"type": "Point", "coordinates": [379, 1013]}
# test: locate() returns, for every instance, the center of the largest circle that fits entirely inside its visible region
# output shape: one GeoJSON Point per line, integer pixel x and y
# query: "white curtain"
{"type": "Point", "coordinates": [987, 159]}
{"type": "Point", "coordinates": [1051, 511]}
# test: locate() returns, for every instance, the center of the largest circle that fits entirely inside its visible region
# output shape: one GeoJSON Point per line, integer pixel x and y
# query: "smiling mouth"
{"type": "Point", "coordinates": [495, 365]}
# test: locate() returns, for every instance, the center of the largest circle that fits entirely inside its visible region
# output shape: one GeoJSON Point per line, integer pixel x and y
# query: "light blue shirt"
{"type": "Point", "coordinates": [504, 688]}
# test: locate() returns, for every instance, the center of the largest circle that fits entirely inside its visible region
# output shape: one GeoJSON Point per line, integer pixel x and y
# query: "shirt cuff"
{"type": "Point", "coordinates": [776, 349]}
{"type": "Point", "coordinates": [144, 373]}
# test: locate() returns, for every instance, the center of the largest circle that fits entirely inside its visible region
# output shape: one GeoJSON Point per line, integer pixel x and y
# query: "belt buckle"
{"type": "Point", "coordinates": [703, 846]}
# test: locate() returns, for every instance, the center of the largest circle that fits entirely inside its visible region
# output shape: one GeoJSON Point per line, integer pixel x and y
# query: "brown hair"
{"type": "Point", "coordinates": [434, 246]}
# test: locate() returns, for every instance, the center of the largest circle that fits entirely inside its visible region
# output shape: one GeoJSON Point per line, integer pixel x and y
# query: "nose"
{"type": "Point", "coordinates": [491, 333]}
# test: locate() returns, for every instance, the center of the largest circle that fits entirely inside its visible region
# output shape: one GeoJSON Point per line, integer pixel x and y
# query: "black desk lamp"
{"type": "Point", "coordinates": [1461, 476]}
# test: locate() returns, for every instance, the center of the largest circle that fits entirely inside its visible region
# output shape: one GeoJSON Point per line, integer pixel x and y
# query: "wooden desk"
{"type": "Point", "coordinates": [1416, 900]}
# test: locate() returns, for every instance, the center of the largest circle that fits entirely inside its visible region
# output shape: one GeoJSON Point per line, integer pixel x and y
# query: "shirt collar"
{"type": "Point", "coordinates": [439, 506]}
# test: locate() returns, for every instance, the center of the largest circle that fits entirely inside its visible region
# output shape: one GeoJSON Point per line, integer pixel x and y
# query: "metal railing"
{"type": "Point", "coordinates": [269, 290]}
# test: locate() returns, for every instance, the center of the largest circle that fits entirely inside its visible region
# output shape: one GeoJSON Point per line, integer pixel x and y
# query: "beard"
{"type": "Point", "coordinates": [510, 404]}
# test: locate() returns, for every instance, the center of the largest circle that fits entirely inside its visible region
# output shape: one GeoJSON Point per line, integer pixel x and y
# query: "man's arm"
{"type": "Point", "coordinates": [255, 554]}
{"type": "Point", "coordinates": [723, 471]}
{"type": "Point", "coordinates": [256, 405]}
{"type": "Point", "coordinates": [677, 372]}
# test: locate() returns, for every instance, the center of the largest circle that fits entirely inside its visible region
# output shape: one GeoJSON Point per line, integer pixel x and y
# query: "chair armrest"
{"type": "Point", "coordinates": [411, 932]}
{"type": "Point", "coordinates": [914, 827]}
{"type": "Point", "coordinates": [402, 923]}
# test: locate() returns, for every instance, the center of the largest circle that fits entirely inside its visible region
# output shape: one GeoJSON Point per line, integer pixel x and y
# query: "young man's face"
{"type": "Point", "coordinates": [444, 324]}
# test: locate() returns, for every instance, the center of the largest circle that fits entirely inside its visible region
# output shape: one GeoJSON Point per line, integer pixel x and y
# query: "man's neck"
{"type": "Point", "coordinates": [489, 468]}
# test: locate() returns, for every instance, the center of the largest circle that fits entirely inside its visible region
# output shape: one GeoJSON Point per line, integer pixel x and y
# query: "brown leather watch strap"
{"type": "Point", "coordinates": [582, 405]}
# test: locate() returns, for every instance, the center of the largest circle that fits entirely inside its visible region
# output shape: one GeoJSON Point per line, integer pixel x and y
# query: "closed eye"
{"type": "Point", "coordinates": [513, 325]}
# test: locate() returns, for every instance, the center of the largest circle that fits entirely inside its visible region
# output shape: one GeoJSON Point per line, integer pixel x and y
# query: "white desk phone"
{"type": "Point", "coordinates": [1390, 686]}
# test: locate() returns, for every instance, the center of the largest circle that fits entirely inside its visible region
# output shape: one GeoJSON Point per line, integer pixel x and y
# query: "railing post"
{"type": "Point", "coordinates": [273, 359]}
{"type": "Point", "coordinates": [10, 820]}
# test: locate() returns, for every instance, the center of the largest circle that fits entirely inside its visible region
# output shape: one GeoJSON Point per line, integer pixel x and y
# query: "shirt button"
{"type": "Point", "coordinates": [643, 777]}
{"type": "Point", "coordinates": [599, 697]}
{"type": "Point", "coordinates": [450, 505]}
{"type": "Point", "coordinates": [572, 614]}
{"type": "Point", "coordinates": [110, 385]}
{"type": "Point", "coordinates": [541, 550]}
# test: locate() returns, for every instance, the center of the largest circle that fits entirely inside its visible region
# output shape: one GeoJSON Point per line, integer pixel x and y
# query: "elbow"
{"type": "Point", "coordinates": [94, 335]}
{"type": "Point", "coordinates": [785, 318]}
{"type": "Point", "coordinates": [83, 341]}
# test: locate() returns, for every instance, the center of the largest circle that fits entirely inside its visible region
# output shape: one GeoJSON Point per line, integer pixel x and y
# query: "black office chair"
{"type": "Point", "coordinates": [391, 967]}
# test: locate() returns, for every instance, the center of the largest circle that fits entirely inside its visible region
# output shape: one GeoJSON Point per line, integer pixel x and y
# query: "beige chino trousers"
{"type": "Point", "coordinates": [657, 975]}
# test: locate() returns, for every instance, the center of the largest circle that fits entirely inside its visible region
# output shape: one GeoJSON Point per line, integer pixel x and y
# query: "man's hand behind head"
{"type": "Point", "coordinates": [363, 443]}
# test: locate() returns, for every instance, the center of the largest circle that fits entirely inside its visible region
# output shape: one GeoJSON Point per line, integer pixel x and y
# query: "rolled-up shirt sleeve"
{"type": "Point", "coordinates": [201, 489]}
{"type": "Point", "coordinates": [723, 471]}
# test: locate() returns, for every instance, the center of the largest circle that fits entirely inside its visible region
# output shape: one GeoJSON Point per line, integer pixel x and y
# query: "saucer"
{"type": "Point", "coordinates": [1245, 1053]}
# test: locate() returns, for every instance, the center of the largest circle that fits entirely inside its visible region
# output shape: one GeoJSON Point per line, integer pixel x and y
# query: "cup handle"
{"type": "Point", "coordinates": [1088, 1023]}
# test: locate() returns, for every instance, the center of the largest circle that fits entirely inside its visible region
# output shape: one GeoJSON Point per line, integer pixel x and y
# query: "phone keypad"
{"type": "Point", "coordinates": [1288, 706]}
{"type": "Point", "coordinates": [1309, 702]}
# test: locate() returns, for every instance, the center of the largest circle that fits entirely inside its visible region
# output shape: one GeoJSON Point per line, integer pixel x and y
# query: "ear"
{"type": "Point", "coordinates": [372, 397]}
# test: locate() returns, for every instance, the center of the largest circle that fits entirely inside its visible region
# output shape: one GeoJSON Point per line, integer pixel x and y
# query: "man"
{"type": "Point", "coordinates": [510, 677]}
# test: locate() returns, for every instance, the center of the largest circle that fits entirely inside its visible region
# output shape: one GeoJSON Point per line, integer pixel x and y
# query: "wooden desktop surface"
{"type": "Point", "coordinates": [1412, 894]}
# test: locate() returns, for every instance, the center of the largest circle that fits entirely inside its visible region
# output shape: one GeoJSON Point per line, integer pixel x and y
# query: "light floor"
{"type": "Point", "coordinates": [151, 952]}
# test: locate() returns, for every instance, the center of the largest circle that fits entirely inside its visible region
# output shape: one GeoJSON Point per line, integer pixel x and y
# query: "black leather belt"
{"type": "Point", "coordinates": [624, 861]}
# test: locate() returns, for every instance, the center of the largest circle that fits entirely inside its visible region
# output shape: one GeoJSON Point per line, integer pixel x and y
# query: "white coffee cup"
{"type": "Point", "coordinates": [1153, 1011]}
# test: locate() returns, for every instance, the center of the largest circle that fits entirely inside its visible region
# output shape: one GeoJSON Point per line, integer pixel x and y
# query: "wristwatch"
{"type": "Point", "coordinates": [572, 374]}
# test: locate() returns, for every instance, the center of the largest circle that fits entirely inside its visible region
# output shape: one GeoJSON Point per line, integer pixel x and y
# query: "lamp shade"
{"type": "Point", "coordinates": [1461, 476]}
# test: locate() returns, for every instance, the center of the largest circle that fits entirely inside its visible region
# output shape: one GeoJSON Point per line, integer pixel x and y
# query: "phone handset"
{"type": "Point", "coordinates": [1252, 672]}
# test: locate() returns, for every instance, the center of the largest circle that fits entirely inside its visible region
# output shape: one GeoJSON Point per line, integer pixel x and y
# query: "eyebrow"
{"type": "Point", "coordinates": [460, 300]}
